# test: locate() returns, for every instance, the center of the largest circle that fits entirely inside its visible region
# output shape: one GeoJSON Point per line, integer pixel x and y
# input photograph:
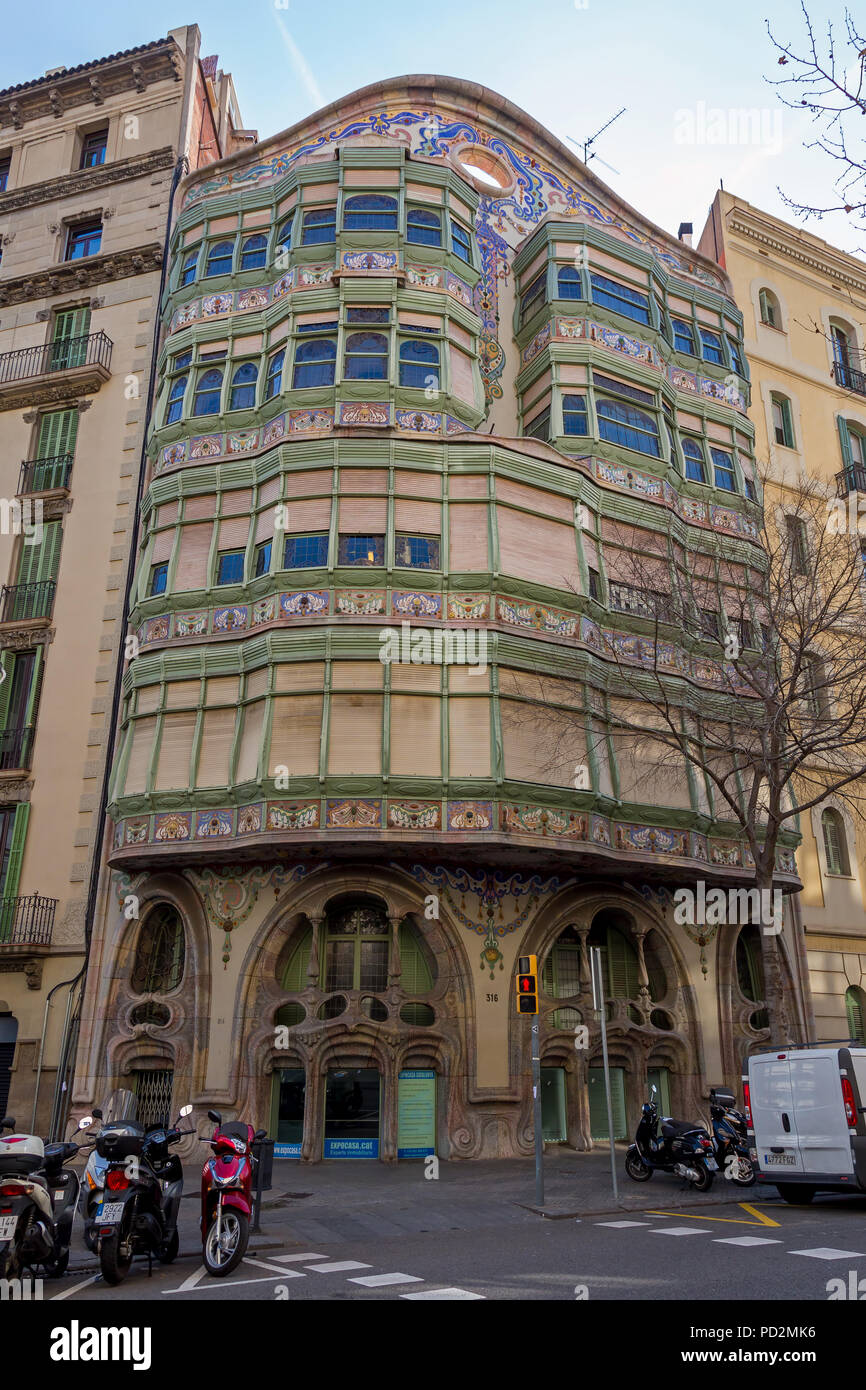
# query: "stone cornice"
{"type": "Point", "coordinates": [836, 266]}
{"type": "Point", "coordinates": [92, 83]}
{"type": "Point", "coordinates": [72, 276]}
{"type": "Point", "coordinates": [84, 180]}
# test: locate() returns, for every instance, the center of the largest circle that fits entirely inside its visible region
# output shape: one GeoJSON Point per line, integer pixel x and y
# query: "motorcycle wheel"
{"type": "Point", "coordinates": [168, 1251]}
{"type": "Point", "coordinates": [705, 1181]}
{"type": "Point", "coordinates": [747, 1167]}
{"type": "Point", "coordinates": [220, 1259]}
{"type": "Point", "coordinates": [9, 1262]}
{"type": "Point", "coordinates": [637, 1169]}
{"type": "Point", "coordinates": [55, 1268]}
{"type": "Point", "coordinates": [114, 1264]}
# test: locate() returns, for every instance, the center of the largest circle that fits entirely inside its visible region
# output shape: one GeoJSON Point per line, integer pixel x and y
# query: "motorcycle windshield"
{"type": "Point", "coordinates": [119, 1107]}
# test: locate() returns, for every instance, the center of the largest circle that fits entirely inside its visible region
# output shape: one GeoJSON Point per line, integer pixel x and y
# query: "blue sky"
{"type": "Point", "coordinates": [687, 74]}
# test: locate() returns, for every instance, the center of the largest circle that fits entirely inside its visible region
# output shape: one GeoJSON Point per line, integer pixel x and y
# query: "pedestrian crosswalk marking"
{"type": "Point", "coordinates": [338, 1266]}
{"type": "Point", "coordinates": [451, 1294]}
{"type": "Point", "coordinates": [381, 1281]}
{"type": "Point", "coordinates": [745, 1240]}
{"type": "Point", "coordinates": [824, 1252]}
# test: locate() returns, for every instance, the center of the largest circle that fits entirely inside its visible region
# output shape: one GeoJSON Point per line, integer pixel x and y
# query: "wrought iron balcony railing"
{"type": "Point", "coordinates": [849, 378]}
{"type": "Point", "coordinates": [15, 747]}
{"type": "Point", "coordinates": [90, 350]}
{"type": "Point", "coordinates": [645, 603]}
{"type": "Point", "coordinates": [42, 475]}
{"type": "Point", "coordinates": [851, 479]}
{"type": "Point", "coordinates": [27, 921]}
{"type": "Point", "coordinates": [21, 601]}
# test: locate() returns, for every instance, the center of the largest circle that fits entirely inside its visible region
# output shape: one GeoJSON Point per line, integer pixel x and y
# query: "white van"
{"type": "Point", "coordinates": [806, 1109]}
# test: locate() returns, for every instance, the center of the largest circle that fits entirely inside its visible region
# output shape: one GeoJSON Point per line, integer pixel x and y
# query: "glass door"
{"type": "Point", "coordinates": [352, 1108]}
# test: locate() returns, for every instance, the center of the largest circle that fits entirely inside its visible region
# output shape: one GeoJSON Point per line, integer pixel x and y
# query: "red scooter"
{"type": "Point", "coordinates": [226, 1188]}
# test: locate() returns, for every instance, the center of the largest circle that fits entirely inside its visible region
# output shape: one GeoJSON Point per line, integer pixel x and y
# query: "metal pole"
{"type": "Point", "coordinates": [536, 1114]}
{"type": "Point", "coordinates": [256, 1228]}
{"type": "Point", "coordinates": [599, 1006]}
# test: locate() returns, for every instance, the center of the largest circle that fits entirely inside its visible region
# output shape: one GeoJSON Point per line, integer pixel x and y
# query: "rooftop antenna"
{"type": "Point", "coordinates": [585, 144]}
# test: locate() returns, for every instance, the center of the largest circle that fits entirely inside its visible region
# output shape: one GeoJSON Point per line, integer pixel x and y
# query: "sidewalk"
{"type": "Point", "coordinates": [344, 1200]}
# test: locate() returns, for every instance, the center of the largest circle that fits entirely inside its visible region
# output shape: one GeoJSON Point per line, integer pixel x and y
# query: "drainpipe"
{"type": "Point", "coordinates": [181, 167]}
{"type": "Point", "coordinates": [53, 990]}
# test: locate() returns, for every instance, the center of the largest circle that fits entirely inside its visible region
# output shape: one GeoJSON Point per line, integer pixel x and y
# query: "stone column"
{"type": "Point", "coordinates": [395, 965]}
{"type": "Point", "coordinates": [313, 963]}
{"type": "Point", "coordinates": [644, 1002]}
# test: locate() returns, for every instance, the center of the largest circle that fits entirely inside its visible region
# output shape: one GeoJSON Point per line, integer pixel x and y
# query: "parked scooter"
{"type": "Point", "coordinates": [731, 1138]}
{"type": "Point", "coordinates": [226, 1201]}
{"type": "Point", "coordinates": [118, 1108]}
{"type": "Point", "coordinates": [143, 1185]}
{"type": "Point", "coordinates": [33, 1229]}
{"type": "Point", "coordinates": [683, 1148]}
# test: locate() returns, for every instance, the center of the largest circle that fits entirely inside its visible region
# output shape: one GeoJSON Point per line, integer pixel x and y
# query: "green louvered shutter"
{"type": "Point", "coordinates": [12, 873]}
{"type": "Point", "coordinates": [598, 1103]}
{"type": "Point", "coordinates": [660, 1077]}
{"type": "Point", "coordinates": [37, 564]}
{"type": "Point", "coordinates": [844, 441]}
{"type": "Point", "coordinates": [622, 966]}
{"type": "Point", "coordinates": [57, 434]}
{"type": "Point", "coordinates": [7, 660]}
{"type": "Point", "coordinates": [415, 977]}
{"type": "Point", "coordinates": [33, 694]}
{"type": "Point", "coordinates": [856, 1021]}
{"type": "Point", "coordinates": [295, 975]}
{"type": "Point", "coordinates": [71, 327]}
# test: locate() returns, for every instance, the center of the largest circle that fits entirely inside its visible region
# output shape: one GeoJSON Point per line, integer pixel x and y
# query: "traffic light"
{"type": "Point", "coordinates": [527, 984]}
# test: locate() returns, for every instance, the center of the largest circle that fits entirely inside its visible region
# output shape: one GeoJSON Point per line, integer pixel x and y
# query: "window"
{"type": "Point", "coordinates": [735, 355]}
{"type": "Point", "coordinates": [319, 225]}
{"type": "Point", "coordinates": [218, 356]}
{"type": "Point", "coordinates": [568, 283]}
{"type": "Point", "coordinates": [539, 426]}
{"type": "Point", "coordinates": [841, 356]}
{"type": "Point", "coordinates": [416, 552]}
{"type": "Point", "coordinates": [83, 239]}
{"type": "Point", "coordinates": [815, 687]}
{"type": "Point", "coordinates": [274, 382]}
{"type": "Point", "coordinates": [783, 427]}
{"type": "Point", "coordinates": [770, 312]}
{"type": "Point", "coordinates": [574, 416]}
{"type": "Point", "coordinates": [183, 359]}
{"type": "Point", "coordinates": [623, 424]}
{"type": "Point", "coordinates": [174, 408]}
{"type": "Point", "coordinates": [5, 166]}
{"type": "Point", "coordinates": [263, 558]}
{"type": "Point", "coordinates": [356, 948]}
{"type": "Point", "coordinates": [69, 337]}
{"type": "Point", "coordinates": [419, 365]}
{"type": "Point", "coordinates": [664, 326]}
{"type": "Point", "coordinates": [594, 584]}
{"type": "Point", "coordinates": [855, 1012]}
{"type": "Point", "coordinates": [710, 624]}
{"type": "Point", "coordinates": [370, 212]}
{"type": "Point", "coordinates": [219, 258]}
{"type": "Point", "coordinates": [750, 972]}
{"type": "Point", "coordinates": [745, 633]}
{"type": "Point", "coordinates": [243, 392]}
{"type": "Point", "coordinates": [798, 544]}
{"type": "Point", "coordinates": [423, 228]}
{"type": "Point", "coordinates": [533, 296]}
{"type": "Point", "coordinates": [362, 550]}
{"type": "Point", "coordinates": [254, 252]}
{"type": "Point", "coordinates": [304, 552]}
{"type": "Point", "coordinates": [621, 298]}
{"type": "Point", "coordinates": [284, 235]}
{"type": "Point", "coordinates": [315, 361]}
{"type": "Point", "coordinates": [93, 149]}
{"type": "Point", "coordinates": [460, 242]}
{"type": "Point", "coordinates": [369, 313]}
{"type": "Point", "coordinates": [230, 567]}
{"type": "Point", "coordinates": [366, 357]}
{"type": "Point", "coordinates": [190, 266]}
{"type": "Point", "coordinates": [158, 579]}
{"type": "Point", "coordinates": [159, 959]}
{"type": "Point", "coordinates": [711, 346]}
{"type": "Point", "coordinates": [684, 338]}
{"type": "Point", "coordinates": [751, 490]}
{"type": "Point", "coordinates": [835, 843]}
{"type": "Point", "coordinates": [723, 468]}
{"type": "Point", "coordinates": [206, 400]}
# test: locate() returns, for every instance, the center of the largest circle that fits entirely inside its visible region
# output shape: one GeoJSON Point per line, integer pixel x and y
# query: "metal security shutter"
{"type": "Point", "coordinates": [175, 750]}
{"type": "Point", "coordinates": [296, 735]}
{"type": "Point", "coordinates": [469, 737]}
{"type": "Point", "coordinates": [218, 735]}
{"type": "Point", "coordinates": [153, 1093]}
{"type": "Point", "coordinates": [416, 736]}
{"type": "Point", "coordinates": [8, 1033]}
{"type": "Point", "coordinates": [598, 1103]}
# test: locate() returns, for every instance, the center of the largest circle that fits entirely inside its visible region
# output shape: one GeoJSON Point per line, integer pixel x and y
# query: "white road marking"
{"type": "Point", "coordinates": [621, 1225]}
{"type": "Point", "coordinates": [378, 1281]}
{"type": "Point", "coordinates": [235, 1283]}
{"type": "Point", "coordinates": [450, 1294]}
{"type": "Point", "coordinates": [189, 1283]}
{"type": "Point", "coordinates": [824, 1252]}
{"type": "Point", "coordinates": [75, 1287]}
{"type": "Point", "coordinates": [338, 1267]}
{"type": "Point", "coordinates": [310, 1255]}
{"type": "Point", "coordinates": [262, 1264]}
{"type": "Point", "coordinates": [745, 1240]}
{"type": "Point", "coordinates": [680, 1231]}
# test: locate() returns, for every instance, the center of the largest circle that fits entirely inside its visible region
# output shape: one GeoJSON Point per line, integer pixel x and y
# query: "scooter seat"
{"type": "Point", "coordinates": [671, 1128]}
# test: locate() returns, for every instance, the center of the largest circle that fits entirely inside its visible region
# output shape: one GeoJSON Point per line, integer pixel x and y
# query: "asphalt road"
{"type": "Point", "coordinates": [759, 1251]}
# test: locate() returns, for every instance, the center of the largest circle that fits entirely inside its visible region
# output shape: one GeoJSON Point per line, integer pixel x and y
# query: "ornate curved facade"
{"type": "Point", "coordinates": [420, 374]}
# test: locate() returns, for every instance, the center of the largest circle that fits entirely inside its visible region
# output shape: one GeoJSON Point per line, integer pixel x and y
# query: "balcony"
{"type": "Point", "coordinates": [15, 748]}
{"type": "Point", "coordinates": [644, 603]}
{"type": "Point", "coordinates": [27, 921]}
{"type": "Point", "coordinates": [54, 371]}
{"type": "Point", "coordinates": [851, 479]}
{"type": "Point", "coordinates": [45, 475]}
{"type": "Point", "coordinates": [849, 378]}
{"type": "Point", "coordinates": [25, 602]}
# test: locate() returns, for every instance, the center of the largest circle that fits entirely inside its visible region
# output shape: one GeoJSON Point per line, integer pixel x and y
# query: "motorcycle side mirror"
{"type": "Point", "coordinates": [653, 1091]}
{"type": "Point", "coordinates": [215, 1116]}
{"type": "Point", "coordinates": [7, 1122]}
{"type": "Point", "coordinates": [83, 1124]}
{"type": "Point", "coordinates": [97, 1113]}
{"type": "Point", "coordinates": [260, 1134]}
{"type": "Point", "coordinates": [185, 1110]}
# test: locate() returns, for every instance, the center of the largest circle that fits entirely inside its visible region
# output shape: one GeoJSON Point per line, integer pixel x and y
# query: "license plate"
{"type": "Point", "coordinates": [780, 1161]}
{"type": "Point", "coordinates": [712, 1165]}
{"type": "Point", "coordinates": [7, 1227]}
{"type": "Point", "coordinates": [109, 1213]}
{"type": "Point", "coordinates": [58, 1196]}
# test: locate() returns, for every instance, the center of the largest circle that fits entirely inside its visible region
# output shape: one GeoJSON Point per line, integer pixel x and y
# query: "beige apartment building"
{"type": "Point", "coordinates": [804, 310]}
{"type": "Point", "coordinates": [87, 170]}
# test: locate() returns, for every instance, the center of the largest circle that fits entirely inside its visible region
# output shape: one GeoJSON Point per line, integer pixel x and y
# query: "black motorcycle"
{"type": "Point", "coordinates": [681, 1148]}
{"type": "Point", "coordinates": [731, 1138]}
{"type": "Point", "coordinates": [64, 1186]}
{"type": "Point", "coordinates": [143, 1185]}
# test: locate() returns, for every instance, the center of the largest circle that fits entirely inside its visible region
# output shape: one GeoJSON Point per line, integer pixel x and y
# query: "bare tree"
{"type": "Point", "coordinates": [828, 80]}
{"type": "Point", "coordinates": [745, 663]}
